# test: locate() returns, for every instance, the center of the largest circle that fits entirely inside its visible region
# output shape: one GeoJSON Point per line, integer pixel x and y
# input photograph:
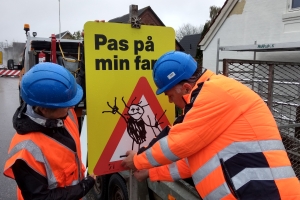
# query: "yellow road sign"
{"type": "Point", "coordinates": [1, 58]}
{"type": "Point", "coordinates": [124, 112]}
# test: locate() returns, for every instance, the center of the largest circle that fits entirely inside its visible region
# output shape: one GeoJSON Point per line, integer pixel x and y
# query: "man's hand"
{"type": "Point", "coordinates": [93, 176]}
{"type": "Point", "coordinates": [141, 175]}
{"type": "Point", "coordinates": [128, 161]}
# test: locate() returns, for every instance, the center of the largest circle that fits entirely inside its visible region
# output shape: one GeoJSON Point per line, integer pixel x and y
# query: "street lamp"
{"type": "Point", "coordinates": [6, 43]}
{"type": "Point", "coordinates": [59, 18]}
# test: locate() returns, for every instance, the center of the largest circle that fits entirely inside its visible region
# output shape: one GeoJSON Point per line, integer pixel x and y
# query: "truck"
{"type": "Point", "coordinates": [11, 65]}
{"type": "Point", "coordinates": [12, 56]}
{"type": "Point", "coordinates": [119, 185]}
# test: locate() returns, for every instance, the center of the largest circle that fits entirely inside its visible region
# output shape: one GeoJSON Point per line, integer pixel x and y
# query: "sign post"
{"type": "Point", "coordinates": [124, 112]}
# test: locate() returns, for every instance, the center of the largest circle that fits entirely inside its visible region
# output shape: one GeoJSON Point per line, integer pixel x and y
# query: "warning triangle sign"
{"type": "Point", "coordinates": [141, 120]}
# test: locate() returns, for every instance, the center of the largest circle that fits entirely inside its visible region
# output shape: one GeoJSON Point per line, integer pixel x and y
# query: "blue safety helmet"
{"type": "Point", "coordinates": [171, 68]}
{"type": "Point", "coordinates": [50, 85]}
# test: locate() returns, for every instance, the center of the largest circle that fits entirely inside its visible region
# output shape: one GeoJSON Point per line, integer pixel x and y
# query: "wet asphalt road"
{"type": "Point", "coordinates": [9, 101]}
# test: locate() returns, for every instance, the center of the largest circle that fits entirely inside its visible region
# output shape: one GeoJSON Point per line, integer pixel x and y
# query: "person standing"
{"type": "Point", "coordinates": [228, 136]}
{"type": "Point", "coordinates": [44, 154]}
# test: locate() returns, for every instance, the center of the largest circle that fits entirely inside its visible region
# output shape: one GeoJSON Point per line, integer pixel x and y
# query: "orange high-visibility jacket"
{"type": "Point", "coordinates": [171, 172]}
{"type": "Point", "coordinates": [180, 169]}
{"type": "Point", "coordinates": [231, 142]}
{"type": "Point", "coordinates": [60, 165]}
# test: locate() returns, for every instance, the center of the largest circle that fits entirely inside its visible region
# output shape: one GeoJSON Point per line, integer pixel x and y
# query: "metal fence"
{"type": "Point", "coordinates": [278, 84]}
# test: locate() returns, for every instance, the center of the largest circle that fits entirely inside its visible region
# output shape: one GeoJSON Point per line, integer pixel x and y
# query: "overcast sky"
{"type": "Point", "coordinates": [43, 15]}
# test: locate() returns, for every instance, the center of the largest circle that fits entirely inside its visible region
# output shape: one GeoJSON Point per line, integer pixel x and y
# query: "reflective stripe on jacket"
{"type": "Point", "coordinates": [172, 172]}
{"type": "Point", "coordinates": [58, 164]}
{"type": "Point", "coordinates": [232, 144]}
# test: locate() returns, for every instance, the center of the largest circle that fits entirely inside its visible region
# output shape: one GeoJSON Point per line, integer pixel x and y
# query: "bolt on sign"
{"type": "Point", "coordinates": [124, 112]}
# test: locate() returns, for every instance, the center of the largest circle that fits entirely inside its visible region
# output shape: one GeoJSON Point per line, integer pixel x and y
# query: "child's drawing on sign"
{"type": "Point", "coordinates": [135, 120]}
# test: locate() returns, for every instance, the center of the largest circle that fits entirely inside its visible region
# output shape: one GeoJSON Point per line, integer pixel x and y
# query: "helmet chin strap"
{"type": "Point", "coordinates": [21, 109]}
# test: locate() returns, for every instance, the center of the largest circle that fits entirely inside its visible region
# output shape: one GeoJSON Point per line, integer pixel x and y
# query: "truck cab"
{"type": "Point", "coordinates": [48, 49]}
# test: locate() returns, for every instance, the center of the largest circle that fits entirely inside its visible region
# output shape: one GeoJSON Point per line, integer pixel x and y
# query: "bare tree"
{"type": "Point", "coordinates": [187, 29]}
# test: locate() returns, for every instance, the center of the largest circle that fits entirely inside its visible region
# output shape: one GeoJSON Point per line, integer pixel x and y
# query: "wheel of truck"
{"type": "Point", "coordinates": [117, 189]}
{"type": "Point", "coordinates": [100, 188]}
{"type": "Point", "coordinates": [10, 64]}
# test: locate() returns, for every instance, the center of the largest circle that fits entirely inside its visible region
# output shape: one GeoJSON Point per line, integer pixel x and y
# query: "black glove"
{"type": "Point", "coordinates": [87, 183]}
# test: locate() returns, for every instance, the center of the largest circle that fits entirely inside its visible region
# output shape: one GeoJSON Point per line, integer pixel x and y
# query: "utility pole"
{"type": "Point", "coordinates": [59, 18]}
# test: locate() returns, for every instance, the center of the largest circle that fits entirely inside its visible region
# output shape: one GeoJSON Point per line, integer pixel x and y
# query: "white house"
{"type": "Point", "coordinates": [249, 22]}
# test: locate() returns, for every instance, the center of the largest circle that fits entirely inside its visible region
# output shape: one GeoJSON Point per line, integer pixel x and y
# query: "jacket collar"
{"type": "Point", "coordinates": [204, 77]}
{"type": "Point", "coordinates": [42, 120]}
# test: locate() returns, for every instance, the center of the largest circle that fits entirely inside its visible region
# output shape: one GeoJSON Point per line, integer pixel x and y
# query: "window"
{"type": "Point", "coordinates": [295, 4]}
{"type": "Point", "coordinates": [291, 16]}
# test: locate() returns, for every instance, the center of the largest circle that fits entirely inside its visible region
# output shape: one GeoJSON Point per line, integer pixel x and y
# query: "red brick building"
{"type": "Point", "coordinates": [148, 17]}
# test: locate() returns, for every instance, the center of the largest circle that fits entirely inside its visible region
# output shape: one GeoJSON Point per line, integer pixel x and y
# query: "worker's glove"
{"type": "Point", "coordinates": [87, 183]}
